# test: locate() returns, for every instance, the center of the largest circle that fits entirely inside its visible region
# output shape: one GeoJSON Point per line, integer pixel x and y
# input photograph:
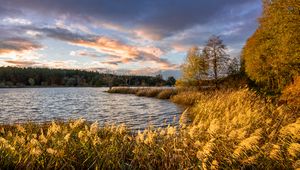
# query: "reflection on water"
{"type": "Point", "coordinates": [92, 104]}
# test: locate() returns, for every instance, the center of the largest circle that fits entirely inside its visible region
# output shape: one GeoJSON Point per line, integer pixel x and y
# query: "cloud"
{"type": "Point", "coordinates": [33, 34]}
{"type": "Point", "coordinates": [9, 11]}
{"type": "Point", "coordinates": [16, 21]}
{"type": "Point", "coordinates": [68, 64]}
{"type": "Point", "coordinates": [62, 23]}
{"type": "Point", "coordinates": [17, 45]}
{"type": "Point", "coordinates": [21, 63]}
{"type": "Point", "coordinates": [234, 29]}
{"type": "Point", "coordinates": [126, 53]}
{"type": "Point", "coordinates": [115, 63]}
{"type": "Point", "coordinates": [116, 51]}
{"type": "Point", "coordinates": [59, 33]}
{"type": "Point", "coordinates": [121, 52]}
{"type": "Point", "coordinates": [85, 53]}
{"type": "Point", "coordinates": [155, 19]}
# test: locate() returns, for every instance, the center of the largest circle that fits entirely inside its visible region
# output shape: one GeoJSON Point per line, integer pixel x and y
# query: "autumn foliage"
{"type": "Point", "coordinates": [272, 53]}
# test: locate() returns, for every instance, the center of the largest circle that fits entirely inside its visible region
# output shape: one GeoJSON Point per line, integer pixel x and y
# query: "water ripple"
{"type": "Point", "coordinates": [92, 104]}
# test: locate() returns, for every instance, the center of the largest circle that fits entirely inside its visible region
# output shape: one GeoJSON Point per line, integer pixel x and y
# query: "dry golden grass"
{"type": "Point", "coordinates": [240, 128]}
{"type": "Point", "coordinates": [230, 130]}
{"type": "Point", "coordinates": [160, 93]}
{"type": "Point", "coordinates": [148, 92]}
{"type": "Point", "coordinates": [166, 94]}
{"type": "Point", "coordinates": [291, 93]}
{"type": "Point", "coordinates": [189, 98]}
{"type": "Point", "coordinates": [123, 90]}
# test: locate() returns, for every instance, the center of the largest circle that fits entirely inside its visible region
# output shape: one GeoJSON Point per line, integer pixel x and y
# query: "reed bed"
{"type": "Point", "coordinates": [189, 98]}
{"type": "Point", "coordinates": [230, 130]}
{"type": "Point", "coordinates": [166, 94]}
{"type": "Point", "coordinates": [160, 93]}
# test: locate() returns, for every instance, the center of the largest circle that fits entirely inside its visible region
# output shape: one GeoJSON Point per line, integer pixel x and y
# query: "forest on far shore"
{"type": "Point", "coordinates": [22, 77]}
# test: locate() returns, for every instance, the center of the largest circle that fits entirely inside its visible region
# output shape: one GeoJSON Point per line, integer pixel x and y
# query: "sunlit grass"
{"type": "Point", "coordinates": [166, 93]}
{"type": "Point", "coordinates": [189, 98]}
{"type": "Point", "coordinates": [230, 130]}
{"type": "Point", "coordinates": [160, 93]}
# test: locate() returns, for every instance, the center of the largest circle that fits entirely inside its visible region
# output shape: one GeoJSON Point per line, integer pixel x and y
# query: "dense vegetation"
{"type": "Point", "coordinates": [230, 130]}
{"type": "Point", "coordinates": [272, 53]}
{"type": "Point", "coordinates": [19, 77]}
{"type": "Point", "coordinates": [208, 66]}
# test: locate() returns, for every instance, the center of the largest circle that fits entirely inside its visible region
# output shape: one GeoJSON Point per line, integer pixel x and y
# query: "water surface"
{"type": "Point", "coordinates": [19, 105]}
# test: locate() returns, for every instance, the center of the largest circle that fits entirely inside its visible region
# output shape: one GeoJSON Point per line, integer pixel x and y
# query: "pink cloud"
{"type": "Point", "coordinates": [123, 53]}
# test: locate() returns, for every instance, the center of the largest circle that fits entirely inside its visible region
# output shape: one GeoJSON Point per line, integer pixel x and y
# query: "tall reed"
{"type": "Point", "coordinates": [160, 93]}
{"type": "Point", "coordinates": [230, 130]}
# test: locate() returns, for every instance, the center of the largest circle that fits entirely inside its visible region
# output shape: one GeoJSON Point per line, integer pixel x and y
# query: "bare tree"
{"type": "Point", "coordinates": [215, 51]}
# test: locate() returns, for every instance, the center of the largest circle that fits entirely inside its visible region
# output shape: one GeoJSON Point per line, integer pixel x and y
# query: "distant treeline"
{"type": "Point", "coordinates": [19, 77]}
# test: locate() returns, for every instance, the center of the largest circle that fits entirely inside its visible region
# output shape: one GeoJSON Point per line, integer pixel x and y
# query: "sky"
{"type": "Point", "coordinates": [128, 36]}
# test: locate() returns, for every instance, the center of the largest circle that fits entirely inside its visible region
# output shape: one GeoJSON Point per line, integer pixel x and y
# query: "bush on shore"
{"type": "Point", "coordinates": [230, 130]}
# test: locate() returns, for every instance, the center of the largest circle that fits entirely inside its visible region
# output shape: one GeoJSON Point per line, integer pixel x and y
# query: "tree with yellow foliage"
{"type": "Point", "coordinates": [194, 69]}
{"type": "Point", "coordinates": [272, 53]}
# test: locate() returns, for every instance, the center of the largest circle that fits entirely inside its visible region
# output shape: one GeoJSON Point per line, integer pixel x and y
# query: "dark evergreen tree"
{"type": "Point", "coordinates": [15, 76]}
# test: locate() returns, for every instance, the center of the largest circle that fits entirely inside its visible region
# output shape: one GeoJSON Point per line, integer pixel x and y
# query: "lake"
{"type": "Point", "coordinates": [19, 105]}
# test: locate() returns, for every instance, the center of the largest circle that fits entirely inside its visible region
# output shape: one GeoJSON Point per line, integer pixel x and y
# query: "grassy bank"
{"type": "Point", "coordinates": [183, 96]}
{"type": "Point", "coordinates": [160, 93]}
{"type": "Point", "coordinates": [230, 129]}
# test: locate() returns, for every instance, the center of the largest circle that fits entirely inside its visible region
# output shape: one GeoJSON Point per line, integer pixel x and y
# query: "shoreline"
{"type": "Point", "coordinates": [84, 86]}
{"type": "Point", "coordinates": [153, 92]}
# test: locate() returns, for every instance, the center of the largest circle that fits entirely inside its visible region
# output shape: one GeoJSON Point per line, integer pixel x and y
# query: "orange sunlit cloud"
{"type": "Point", "coordinates": [122, 52]}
